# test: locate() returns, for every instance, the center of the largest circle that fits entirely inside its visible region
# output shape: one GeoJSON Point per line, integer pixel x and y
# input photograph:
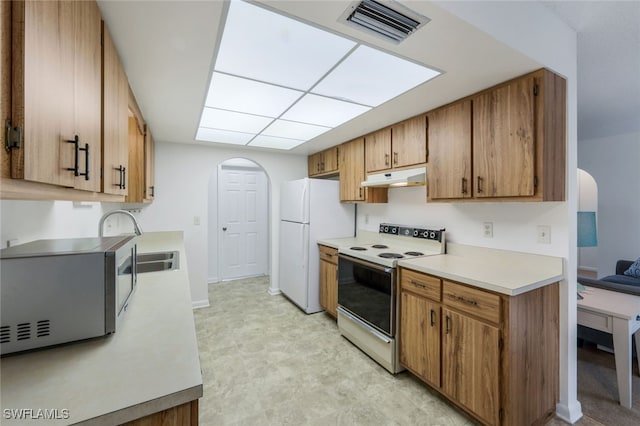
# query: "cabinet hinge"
{"type": "Point", "coordinates": [535, 90]}
{"type": "Point", "coordinates": [535, 181]}
{"type": "Point", "coordinates": [13, 136]}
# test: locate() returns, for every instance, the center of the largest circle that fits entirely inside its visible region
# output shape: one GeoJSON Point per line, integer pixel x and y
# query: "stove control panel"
{"type": "Point", "coordinates": [407, 231]}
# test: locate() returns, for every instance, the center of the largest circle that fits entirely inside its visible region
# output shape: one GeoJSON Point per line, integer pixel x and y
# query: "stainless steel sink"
{"type": "Point", "coordinates": [159, 261]}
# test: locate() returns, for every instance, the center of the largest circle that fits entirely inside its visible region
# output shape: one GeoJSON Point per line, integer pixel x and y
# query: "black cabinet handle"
{"type": "Point", "coordinates": [386, 159]}
{"type": "Point", "coordinates": [86, 161]}
{"type": "Point", "coordinates": [123, 177]}
{"type": "Point", "coordinates": [447, 329]}
{"type": "Point", "coordinates": [464, 185]}
{"type": "Point", "coordinates": [395, 158]}
{"type": "Point", "coordinates": [76, 168]}
{"type": "Point", "coordinates": [432, 314]}
{"type": "Point", "coordinates": [153, 191]}
{"type": "Point", "coordinates": [479, 184]}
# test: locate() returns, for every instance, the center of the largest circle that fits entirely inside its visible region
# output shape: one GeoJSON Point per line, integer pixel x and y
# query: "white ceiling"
{"type": "Point", "coordinates": [168, 51]}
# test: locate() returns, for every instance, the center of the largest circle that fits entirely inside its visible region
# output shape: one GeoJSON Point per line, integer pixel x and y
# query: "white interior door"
{"type": "Point", "coordinates": [243, 222]}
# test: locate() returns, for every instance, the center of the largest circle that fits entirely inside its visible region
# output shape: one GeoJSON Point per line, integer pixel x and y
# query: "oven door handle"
{"type": "Point", "coordinates": [364, 325]}
{"type": "Point", "coordinates": [385, 269]}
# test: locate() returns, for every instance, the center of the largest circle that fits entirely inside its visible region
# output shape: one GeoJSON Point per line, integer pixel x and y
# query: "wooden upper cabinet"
{"type": "Point", "coordinates": [378, 150]}
{"type": "Point", "coordinates": [56, 92]}
{"type": "Point", "coordinates": [449, 171]}
{"type": "Point", "coordinates": [504, 140]}
{"type": "Point", "coordinates": [352, 170]}
{"type": "Point", "coordinates": [115, 120]}
{"type": "Point", "coordinates": [324, 162]}
{"type": "Point", "coordinates": [136, 173]}
{"type": "Point", "coordinates": [409, 142]}
{"type": "Point", "coordinates": [505, 143]}
{"type": "Point", "coordinates": [352, 174]}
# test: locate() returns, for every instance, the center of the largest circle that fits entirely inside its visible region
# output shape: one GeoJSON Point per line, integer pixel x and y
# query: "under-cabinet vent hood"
{"type": "Point", "coordinates": [407, 177]}
{"type": "Point", "coordinates": [386, 19]}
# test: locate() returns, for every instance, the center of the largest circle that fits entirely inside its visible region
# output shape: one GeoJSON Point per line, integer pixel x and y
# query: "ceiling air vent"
{"type": "Point", "coordinates": [393, 24]}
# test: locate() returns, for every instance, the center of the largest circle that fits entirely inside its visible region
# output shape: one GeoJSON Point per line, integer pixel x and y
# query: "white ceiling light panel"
{"type": "Point", "coordinates": [265, 46]}
{"type": "Point", "coordinates": [264, 141]}
{"type": "Point", "coordinates": [278, 82]}
{"type": "Point", "coordinates": [252, 97]}
{"type": "Point", "coordinates": [293, 130]}
{"type": "Point", "coordinates": [372, 77]}
{"type": "Point", "coordinates": [223, 136]}
{"type": "Point", "coordinates": [235, 121]}
{"type": "Point", "coordinates": [323, 111]}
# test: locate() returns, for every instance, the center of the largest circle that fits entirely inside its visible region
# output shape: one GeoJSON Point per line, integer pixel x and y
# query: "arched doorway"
{"type": "Point", "coordinates": [238, 221]}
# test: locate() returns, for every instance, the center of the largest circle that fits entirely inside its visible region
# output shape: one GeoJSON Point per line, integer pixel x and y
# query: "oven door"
{"type": "Point", "coordinates": [367, 291]}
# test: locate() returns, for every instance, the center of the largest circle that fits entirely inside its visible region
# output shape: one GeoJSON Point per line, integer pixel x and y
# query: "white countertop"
{"type": "Point", "coordinates": [150, 364]}
{"type": "Point", "coordinates": [363, 237]}
{"type": "Point", "coordinates": [502, 271]}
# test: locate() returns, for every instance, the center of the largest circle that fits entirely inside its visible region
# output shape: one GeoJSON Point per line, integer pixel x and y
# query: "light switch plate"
{"type": "Point", "coordinates": [544, 234]}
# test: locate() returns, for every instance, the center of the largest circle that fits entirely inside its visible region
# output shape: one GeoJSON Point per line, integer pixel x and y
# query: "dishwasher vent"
{"type": "Point", "coordinates": [5, 334]}
{"type": "Point", "coordinates": [390, 21]}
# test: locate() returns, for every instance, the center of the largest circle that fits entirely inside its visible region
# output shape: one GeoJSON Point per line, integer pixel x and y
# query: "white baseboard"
{"type": "Point", "coordinates": [198, 304]}
{"type": "Point", "coordinates": [569, 413]}
{"type": "Point", "coordinates": [213, 280]}
{"type": "Point", "coordinates": [274, 291]}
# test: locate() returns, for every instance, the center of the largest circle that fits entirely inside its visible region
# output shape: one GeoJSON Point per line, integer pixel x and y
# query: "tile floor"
{"type": "Point", "coordinates": [265, 362]}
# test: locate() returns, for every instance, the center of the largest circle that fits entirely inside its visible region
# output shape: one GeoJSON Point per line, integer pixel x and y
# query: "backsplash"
{"type": "Point", "coordinates": [26, 221]}
{"type": "Point", "coordinates": [514, 224]}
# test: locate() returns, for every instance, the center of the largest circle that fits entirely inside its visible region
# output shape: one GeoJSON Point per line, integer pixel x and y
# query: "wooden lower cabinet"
{"type": "Point", "coordinates": [470, 364]}
{"type": "Point", "coordinates": [329, 280]}
{"type": "Point", "coordinates": [493, 355]}
{"type": "Point", "coordinates": [181, 415]}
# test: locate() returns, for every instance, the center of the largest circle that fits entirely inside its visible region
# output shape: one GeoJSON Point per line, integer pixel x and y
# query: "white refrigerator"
{"type": "Point", "coordinates": [310, 210]}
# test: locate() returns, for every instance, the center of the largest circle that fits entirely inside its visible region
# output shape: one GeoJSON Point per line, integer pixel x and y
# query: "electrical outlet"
{"type": "Point", "coordinates": [487, 229]}
{"type": "Point", "coordinates": [544, 234]}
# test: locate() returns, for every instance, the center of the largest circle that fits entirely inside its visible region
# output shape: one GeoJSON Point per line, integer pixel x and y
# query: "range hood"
{"type": "Point", "coordinates": [407, 177]}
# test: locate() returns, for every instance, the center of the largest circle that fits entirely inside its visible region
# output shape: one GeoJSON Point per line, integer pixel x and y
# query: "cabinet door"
{"type": "Point", "coordinates": [115, 142]}
{"type": "Point", "coordinates": [420, 336]}
{"type": "Point", "coordinates": [504, 140]}
{"type": "Point", "coordinates": [43, 39]}
{"type": "Point", "coordinates": [135, 175]}
{"type": "Point", "coordinates": [409, 142]}
{"type": "Point", "coordinates": [330, 159]}
{"type": "Point", "coordinates": [88, 92]}
{"type": "Point", "coordinates": [149, 166]}
{"type": "Point", "coordinates": [352, 170]}
{"type": "Point", "coordinates": [328, 287]}
{"type": "Point", "coordinates": [57, 92]}
{"type": "Point", "coordinates": [314, 164]}
{"type": "Point", "coordinates": [449, 171]}
{"type": "Point", "coordinates": [378, 150]}
{"type": "Point", "coordinates": [470, 364]}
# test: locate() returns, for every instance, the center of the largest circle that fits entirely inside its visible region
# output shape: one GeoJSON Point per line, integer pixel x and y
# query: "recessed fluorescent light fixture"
{"type": "Point", "coordinates": [278, 82]}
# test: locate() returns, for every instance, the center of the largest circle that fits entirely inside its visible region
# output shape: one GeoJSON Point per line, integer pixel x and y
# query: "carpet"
{"type": "Point", "coordinates": [598, 389]}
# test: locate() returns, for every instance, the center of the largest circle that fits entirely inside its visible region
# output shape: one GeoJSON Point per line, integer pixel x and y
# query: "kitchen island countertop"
{"type": "Point", "coordinates": [507, 272]}
{"type": "Point", "coordinates": [149, 365]}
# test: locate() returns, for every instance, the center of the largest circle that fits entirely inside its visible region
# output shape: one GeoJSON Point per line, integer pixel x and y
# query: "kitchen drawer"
{"type": "Point", "coordinates": [422, 284]}
{"type": "Point", "coordinates": [329, 254]}
{"type": "Point", "coordinates": [595, 320]}
{"type": "Point", "coordinates": [472, 300]}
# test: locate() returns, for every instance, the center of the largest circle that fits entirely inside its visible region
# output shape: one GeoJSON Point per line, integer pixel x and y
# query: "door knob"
{"type": "Point", "coordinates": [224, 228]}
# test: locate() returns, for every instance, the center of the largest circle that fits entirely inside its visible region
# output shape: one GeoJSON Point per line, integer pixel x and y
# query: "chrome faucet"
{"type": "Point", "coordinates": [136, 226]}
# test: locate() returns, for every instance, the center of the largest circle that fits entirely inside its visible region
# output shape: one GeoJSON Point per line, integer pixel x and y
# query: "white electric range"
{"type": "Point", "coordinates": [367, 287]}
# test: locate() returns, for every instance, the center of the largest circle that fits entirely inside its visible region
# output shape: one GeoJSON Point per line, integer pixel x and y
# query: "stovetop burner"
{"type": "Point", "coordinates": [379, 246]}
{"type": "Point", "coordinates": [357, 248]}
{"type": "Point", "coordinates": [414, 253]}
{"type": "Point", "coordinates": [391, 255]}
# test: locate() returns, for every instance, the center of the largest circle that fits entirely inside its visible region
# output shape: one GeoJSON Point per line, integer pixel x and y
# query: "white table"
{"type": "Point", "coordinates": [618, 314]}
